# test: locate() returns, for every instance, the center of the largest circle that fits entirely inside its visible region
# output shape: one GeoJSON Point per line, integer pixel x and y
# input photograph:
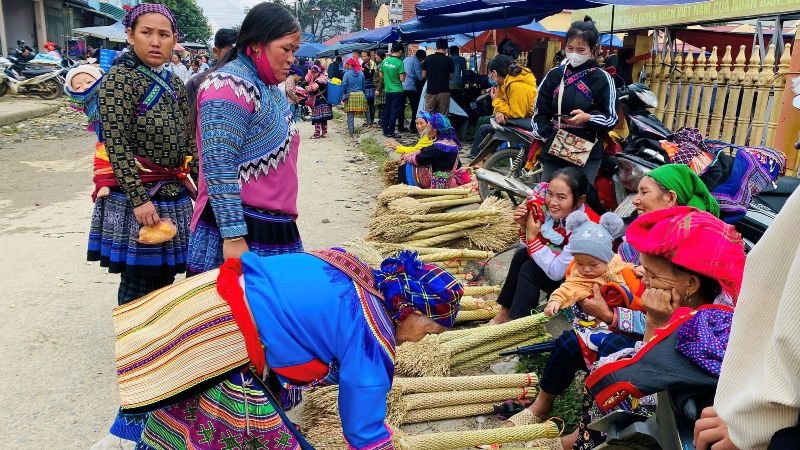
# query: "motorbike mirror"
{"type": "Point", "coordinates": [20, 42]}
{"type": "Point", "coordinates": [647, 97]}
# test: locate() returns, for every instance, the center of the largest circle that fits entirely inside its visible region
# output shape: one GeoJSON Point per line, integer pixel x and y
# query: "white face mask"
{"type": "Point", "coordinates": [576, 59]}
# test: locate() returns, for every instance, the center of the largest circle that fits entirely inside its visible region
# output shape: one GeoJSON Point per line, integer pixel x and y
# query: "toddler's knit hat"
{"type": "Point", "coordinates": [594, 239]}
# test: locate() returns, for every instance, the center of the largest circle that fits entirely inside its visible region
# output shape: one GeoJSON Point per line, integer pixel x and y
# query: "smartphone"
{"type": "Point", "coordinates": [564, 116]}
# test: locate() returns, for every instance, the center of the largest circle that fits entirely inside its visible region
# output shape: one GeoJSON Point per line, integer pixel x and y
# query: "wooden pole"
{"type": "Point", "coordinates": [722, 89]}
{"type": "Point", "coordinates": [778, 84]}
{"type": "Point", "coordinates": [788, 130]}
{"type": "Point", "coordinates": [735, 84]}
{"type": "Point", "coordinates": [697, 89]}
{"type": "Point", "coordinates": [748, 95]}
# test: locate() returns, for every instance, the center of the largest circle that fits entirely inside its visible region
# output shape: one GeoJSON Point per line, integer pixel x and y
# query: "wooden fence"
{"type": "Point", "coordinates": [735, 100]}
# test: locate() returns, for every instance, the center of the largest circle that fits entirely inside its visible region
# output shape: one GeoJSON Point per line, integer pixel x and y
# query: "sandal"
{"type": "Point", "coordinates": [524, 417]}
{"type": "Point", "coordinates": [545, 444]}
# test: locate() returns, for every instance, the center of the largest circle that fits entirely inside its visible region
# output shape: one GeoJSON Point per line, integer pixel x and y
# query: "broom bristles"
{"type": "Point", "coordinates": [390, 172]}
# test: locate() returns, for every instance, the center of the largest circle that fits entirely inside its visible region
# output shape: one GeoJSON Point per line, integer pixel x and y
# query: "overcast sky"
{"type": "Point", "coordinates": [225, 14]}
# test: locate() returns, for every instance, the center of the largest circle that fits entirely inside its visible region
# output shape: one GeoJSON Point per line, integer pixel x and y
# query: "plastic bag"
{"type": "Point", "coordinates": [162, 232]}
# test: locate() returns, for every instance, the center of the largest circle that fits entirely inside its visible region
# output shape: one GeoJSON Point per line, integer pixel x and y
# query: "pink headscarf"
{"type": "Point", "coordinates": [354, 63]}
{"type": "Point", "coordinates": [694, 240]}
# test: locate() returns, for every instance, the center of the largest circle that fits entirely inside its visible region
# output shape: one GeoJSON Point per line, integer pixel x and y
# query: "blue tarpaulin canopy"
{"type": "Point", "coordinates": [431, 27]}
{"type": "Point", "coordinates": [376, 36]}
{"type": "Point", "coordinates": [344, 49]}
{"type": "Point", "coordinates": [309, 50]}
{"type": "Point", "coordinates": [434, 7]}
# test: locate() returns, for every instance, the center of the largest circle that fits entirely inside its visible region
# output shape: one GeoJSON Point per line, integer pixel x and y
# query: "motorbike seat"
{"type": "Point", "coordinates": [784, 187]}
{"type": "Point", "coordinates": [30, 73]}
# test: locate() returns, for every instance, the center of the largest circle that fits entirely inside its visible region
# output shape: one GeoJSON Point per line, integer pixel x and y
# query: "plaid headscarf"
{"type": "Point", "coordinates": [408, 284]}
{"type": "Point", "coordinates": [694, 240]}
{"type": "Point", "coordinates": [444, 130]}
{"type": "Point", "coordinates": [146, 8]}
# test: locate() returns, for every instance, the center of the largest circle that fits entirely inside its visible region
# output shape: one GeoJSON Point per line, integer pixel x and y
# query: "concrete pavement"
{"type": "Point", "coordinates": [15, 109]}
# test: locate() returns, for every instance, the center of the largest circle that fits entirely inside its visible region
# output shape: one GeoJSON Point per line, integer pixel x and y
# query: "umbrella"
{"type": "Point", "coordinates": [178, 47]}
{"type": "Point", "coordinates": [343, 49]}
{"type": "Point", "coordinates": [115, 32]}
{"type": "Point", "coordinates": [309, 50]}
{"type": "Point", "coordinates": [435, 7]}
{"type": "Point", "coordinates": [376, 36]}
{"type": "Point", "coordinates": [431, 27]}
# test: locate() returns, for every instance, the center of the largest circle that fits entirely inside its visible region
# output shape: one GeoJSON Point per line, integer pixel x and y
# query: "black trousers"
{"type": "Point", "coordinates": [524, 283]}
{"type": "Point", "coordinates": [413, 100]}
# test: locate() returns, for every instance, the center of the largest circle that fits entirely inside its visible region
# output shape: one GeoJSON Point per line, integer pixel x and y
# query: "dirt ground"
{"type": "Point", "coordinates": [56, 345]}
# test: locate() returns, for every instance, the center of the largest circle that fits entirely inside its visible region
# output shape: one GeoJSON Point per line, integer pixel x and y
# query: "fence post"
{"type": "Point", "coordinates": [777, 89]}
{"type": "Point", "coordinates": [748, 94]}
{"type": "Point", "coordinates": [663, 79]}
{"type": "Point", "coordinates": [763, 87]}
{"type": "Point", "coordinates": [735, 83]}
{"type": "Point", "coordinates": [672, 93]}
{"type": "Point", "coordinates": [722, 90]}
{"type": "Point", "coordinates": [788, 132]}
{"type": "Point", "coordinates": [697, 89]}
{"type": "Point", "coordinates": [708, 90]}
{"type": "Point", "coordinates": [686, 86]}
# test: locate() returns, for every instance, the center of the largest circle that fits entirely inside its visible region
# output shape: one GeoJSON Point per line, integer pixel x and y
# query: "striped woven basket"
{"type": "Point", "coordinates": [173, 339]}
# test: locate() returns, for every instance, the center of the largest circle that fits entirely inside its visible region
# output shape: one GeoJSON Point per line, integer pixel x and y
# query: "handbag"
{"type": "Point", "coordinates": [567, 146]}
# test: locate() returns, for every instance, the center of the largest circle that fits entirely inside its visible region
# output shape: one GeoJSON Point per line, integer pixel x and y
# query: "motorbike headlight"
{"type": "Point", "coordinates": [648, 98]}
{"type": "Point", "coordinates": [630, 174]}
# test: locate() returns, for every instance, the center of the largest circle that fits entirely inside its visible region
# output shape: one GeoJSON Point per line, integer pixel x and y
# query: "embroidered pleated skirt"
{"type": "Point", "coordinates": [114, 233]}
{"type": "Point", "coordinates": [268, 234]}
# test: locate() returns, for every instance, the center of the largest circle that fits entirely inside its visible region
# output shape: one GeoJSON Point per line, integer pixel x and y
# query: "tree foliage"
{"type": "Point", "coordinates": [325, 19]}
{"type": "Point", "coordinates": [192, 22]}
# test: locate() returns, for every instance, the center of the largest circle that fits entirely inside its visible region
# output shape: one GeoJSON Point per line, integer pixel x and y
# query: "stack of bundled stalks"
{"type": "Point", "coordinates": [453, 351]}
{"type": "Point", "coordinates": [414, 217]}
{"type": "Point", "coordinates": [414, 400]}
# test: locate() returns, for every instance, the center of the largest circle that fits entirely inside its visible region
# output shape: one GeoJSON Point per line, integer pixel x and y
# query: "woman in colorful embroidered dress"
{"type": "Point", "coordinates": [321, 112]}
{"type": "Point", "coordinates": [248, 143]}
{"type": "Point", "coordinates": [143, 110]}
{"type": "Point", "coordinates": [441, 157]}
{"type": "Point", "coordinates": [691, 260]}
{"type": "Point", "coordinates": [589, 101]}
{"type": "Point", "coordinates": [310, 319]}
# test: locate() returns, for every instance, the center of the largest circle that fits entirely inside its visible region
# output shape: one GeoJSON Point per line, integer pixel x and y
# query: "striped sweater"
{"type": "Point", "coordinates": [759, 387]}
{"type": "Point", "coordinates": [248, 144]}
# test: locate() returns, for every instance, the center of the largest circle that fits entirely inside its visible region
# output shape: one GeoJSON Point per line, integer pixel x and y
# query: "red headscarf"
{"type": "Point", "coordinates": [354, 63]}
{"type": "Point", "coordinates": [694, 240]}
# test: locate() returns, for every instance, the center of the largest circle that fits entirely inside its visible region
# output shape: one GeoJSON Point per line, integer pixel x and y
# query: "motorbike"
{"type": "Point", "coordinates": [504, 154]}
{"type": "Point", "coordinates": [21, 77]}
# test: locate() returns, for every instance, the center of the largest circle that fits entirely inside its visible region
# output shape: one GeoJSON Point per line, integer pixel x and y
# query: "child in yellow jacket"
{"type": "Point", "coordinates": [424, 141]}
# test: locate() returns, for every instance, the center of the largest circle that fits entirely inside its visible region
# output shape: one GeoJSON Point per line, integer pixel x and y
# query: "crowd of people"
{"type": "Point", "coordinates": [677, 278]}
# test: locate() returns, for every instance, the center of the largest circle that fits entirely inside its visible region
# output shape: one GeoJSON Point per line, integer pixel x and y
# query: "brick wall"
{"type": "Point", "coordinates": [368, 12]}
{"type": "Point", "coordinates": [408, 9]}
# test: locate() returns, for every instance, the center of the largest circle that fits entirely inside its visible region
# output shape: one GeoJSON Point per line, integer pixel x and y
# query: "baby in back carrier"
{"type": "Point", "coordinates": [82, 86]}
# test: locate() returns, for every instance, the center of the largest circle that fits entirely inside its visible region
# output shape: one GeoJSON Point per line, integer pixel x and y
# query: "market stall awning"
{"type": "Point", "coordinates": [376, 36]}
{"type": "Point", "coordinates": [525, 36]}
{"type": "Point", "coordinates": [434, 7]}
{"type": "Point", "coordinates": [335, 40]}
{"type": "Point", "coordinates": [309, 50]}
{"type": "Point", "coordinates": [431, 27]}
{"type": "Point", "coordinates": [115, 32]}
{"type": "Point", "coordinates": [344, 49]}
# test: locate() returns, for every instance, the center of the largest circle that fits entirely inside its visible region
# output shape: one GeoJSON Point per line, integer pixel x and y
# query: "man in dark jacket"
{"type": "Point", "coordinates": [335, 69]}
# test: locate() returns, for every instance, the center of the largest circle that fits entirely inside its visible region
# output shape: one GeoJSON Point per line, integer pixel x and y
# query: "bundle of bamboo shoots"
{"type": "Point", "coordinates": [414, 400]}
{"type": "Point", "coordinates": [434, 357]}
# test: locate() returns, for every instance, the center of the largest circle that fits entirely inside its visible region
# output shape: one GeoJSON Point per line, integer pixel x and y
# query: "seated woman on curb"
{"type": "Point", "coordinates": [422, 121]}
{"type": "Point", "coordinates": [513, 95]}
{"type": "Point", "coordinates": [433, 166]}
{"type": "Point", "coordinates": [541, 263]}
{"type": "Point", "coordinates": [690, 259]}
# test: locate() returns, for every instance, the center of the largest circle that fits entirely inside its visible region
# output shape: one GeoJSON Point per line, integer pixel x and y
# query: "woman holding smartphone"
{"type": "Point", "coordinates": [586, 108]}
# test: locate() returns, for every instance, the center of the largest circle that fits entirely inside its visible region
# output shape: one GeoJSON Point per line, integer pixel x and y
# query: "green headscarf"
{"type": "Point", "coordinates": [689, 188]}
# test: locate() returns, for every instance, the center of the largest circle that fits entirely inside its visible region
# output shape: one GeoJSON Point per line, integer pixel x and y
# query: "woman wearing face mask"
{"type": "Point", "coordinates": [248, 144]}
{"type": "Point", "coordinates": [513, 94]}
{"type": "Point", "coordinates": [587, 103]}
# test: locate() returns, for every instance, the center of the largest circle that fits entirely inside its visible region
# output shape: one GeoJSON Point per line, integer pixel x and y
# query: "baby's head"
{"type": "Point", "coordinates": [82, 78]}
{"type": "Point", "coordinates": [592, 243]}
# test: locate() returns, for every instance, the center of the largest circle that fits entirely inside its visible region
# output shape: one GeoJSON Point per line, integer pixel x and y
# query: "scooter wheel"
{"type": "Point", "coordinates": [501, 162]}
{"type": "Point", "coordinates": [50, 90]}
